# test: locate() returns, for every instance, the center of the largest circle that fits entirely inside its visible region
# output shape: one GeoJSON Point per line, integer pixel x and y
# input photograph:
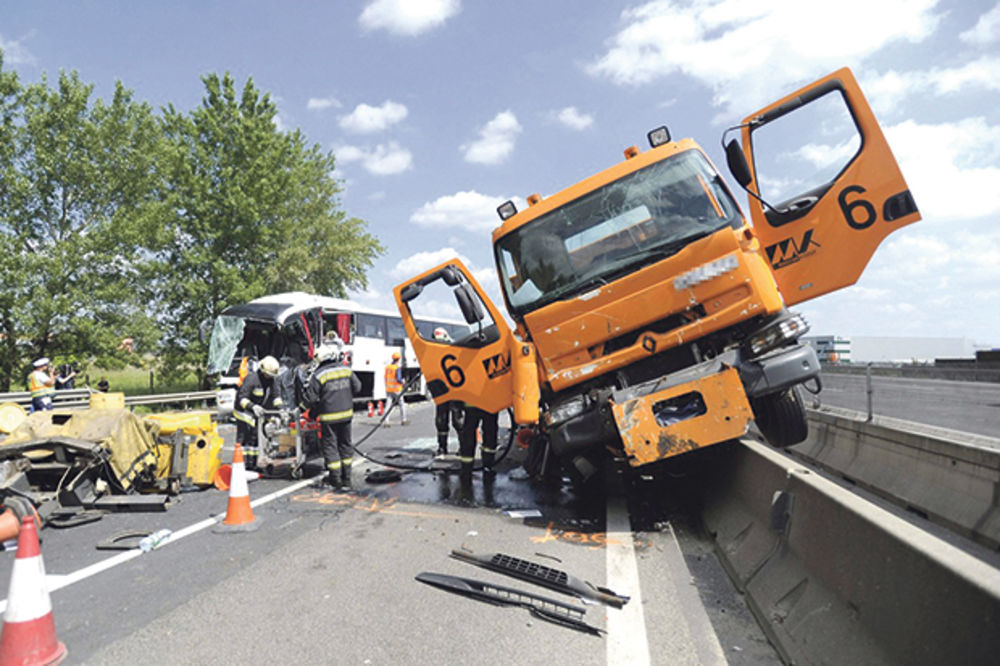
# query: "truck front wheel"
{"type": "Point", "coordinates": [781, 418]}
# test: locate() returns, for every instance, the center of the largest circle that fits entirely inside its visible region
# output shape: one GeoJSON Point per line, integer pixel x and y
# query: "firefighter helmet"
{"type": "Point", "coordinates": [269, 366]}
{"type": "Point", "coordinates": [440, 333]}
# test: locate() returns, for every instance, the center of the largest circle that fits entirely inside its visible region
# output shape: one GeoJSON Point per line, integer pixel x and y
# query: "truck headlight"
{"type": "Point", "coordinates": [706, 272]}
{"type": "Point", "coordinates": [777, 334]}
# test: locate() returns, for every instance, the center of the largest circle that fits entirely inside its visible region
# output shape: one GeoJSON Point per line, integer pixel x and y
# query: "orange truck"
{"type": "Point", "coordinates": [650, 316]}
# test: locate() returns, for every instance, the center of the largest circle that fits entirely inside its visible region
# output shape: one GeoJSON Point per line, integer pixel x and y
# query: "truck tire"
{"type": "Point", "coordinates": [781, 418]}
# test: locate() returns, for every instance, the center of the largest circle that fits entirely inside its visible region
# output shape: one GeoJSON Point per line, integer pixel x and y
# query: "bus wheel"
{"type": "Point", "coordinates": [781, 418]}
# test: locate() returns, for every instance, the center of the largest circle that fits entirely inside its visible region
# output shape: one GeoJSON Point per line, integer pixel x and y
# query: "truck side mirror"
{"type": "Point", "coordinates": [410, 291]}
{"type": "Point", "coordinates": [469, 304]}
{"type": "Point", "coordinates": [450, 276]}
{"type": "Point", "coordinates": [737, 162]}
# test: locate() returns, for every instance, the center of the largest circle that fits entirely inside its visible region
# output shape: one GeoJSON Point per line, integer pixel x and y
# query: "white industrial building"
{"type": "Point", "coordinates": [874, 349]}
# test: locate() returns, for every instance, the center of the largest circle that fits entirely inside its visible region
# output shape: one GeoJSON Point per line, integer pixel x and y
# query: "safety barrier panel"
{"type": "Point", "coordinates": [834, 578]}
{"type": "Point", "coordinates": [951, 478]}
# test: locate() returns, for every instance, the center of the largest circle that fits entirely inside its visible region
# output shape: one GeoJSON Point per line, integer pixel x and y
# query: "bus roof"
{"type": "Point", "coordinates": [279, 308]}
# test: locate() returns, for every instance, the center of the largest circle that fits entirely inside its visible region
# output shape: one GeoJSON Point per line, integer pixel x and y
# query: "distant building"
{"type": "Point", "coordinates": [873, 349]}
{"type": "Point", "coordinates": [831, 348]}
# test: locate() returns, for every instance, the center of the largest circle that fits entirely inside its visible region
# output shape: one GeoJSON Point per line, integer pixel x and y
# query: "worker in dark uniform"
{"type": "Point", "coordinates": [329, 396]}
{"type": "Point", "coordinates": [467, 442]}
{"type": "Point", "coordinates": [259, 391]}
{"type": "Point", "coordinates": [451, 411]}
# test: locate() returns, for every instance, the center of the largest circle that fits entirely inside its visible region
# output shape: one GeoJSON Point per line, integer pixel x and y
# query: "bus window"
{"type": "Point", "coordinates": [371, 326]}
{"type": "Point", "coordinates": [397, 334]}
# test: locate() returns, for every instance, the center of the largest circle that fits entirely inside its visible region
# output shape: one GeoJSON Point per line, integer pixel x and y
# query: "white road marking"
{"type": "Point", "coordinates": [57, 581]}
{"type": "Point", "coordinates": [626, 639]}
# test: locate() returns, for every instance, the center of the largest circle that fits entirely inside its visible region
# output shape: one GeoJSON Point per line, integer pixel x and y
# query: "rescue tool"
{"type": "Point", "coordinates": [541, 607]}
{"type": "Point", "coordinates": [554, 579]}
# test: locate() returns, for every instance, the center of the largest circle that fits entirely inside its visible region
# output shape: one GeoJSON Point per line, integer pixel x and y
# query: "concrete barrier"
{"type": "Point", "coordinates": [835, 579]}
{"type": "Point", "coordinates": [952, 479]}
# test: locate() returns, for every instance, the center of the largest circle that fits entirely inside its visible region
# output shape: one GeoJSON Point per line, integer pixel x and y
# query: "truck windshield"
{"type": "Point", "coordinates": [633, 221]}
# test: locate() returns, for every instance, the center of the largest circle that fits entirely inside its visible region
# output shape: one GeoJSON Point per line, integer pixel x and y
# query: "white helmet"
{"type": "Point", "coordinates": [269, 366]}
{"type": "Point", "coordinates": [41, 363]}
{"type": "Point", "coordinates": [326, 352]}
{"type": "Point", "coordinates": [440, 333]}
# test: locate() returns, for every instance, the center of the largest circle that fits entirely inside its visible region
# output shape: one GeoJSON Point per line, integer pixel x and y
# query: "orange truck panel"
{"type": "Point", "coordinates": [727, 415]}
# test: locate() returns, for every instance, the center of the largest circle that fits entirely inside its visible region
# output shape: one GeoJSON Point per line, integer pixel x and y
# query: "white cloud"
{"type": "Point", "coordinates": [748, 52]}
{"type": "Point", "coordinates": [16, 53]}
{"type": "Point", "coordinates": [366, 119]}
{"type": "Point", "coordinates": [468, 210]}
{"type": "Point", "coordinates": [573, 119]}
{"type": "Point", "coordinates": [422, 261]}
{"type": "Point", "coordinates": [279, 123]}
{"type": "Point", "coordinates": [322, 103]}
{"type": "Point", "coordinates": [884, 91]}
{"type": "Point", "coordinates": [382, 160]}
{"type": "Point", "coordinates": [921, 280]}
{"type": "Point", "coordinates": [951, 168]}
{"type": "Point", "coordinates": [407, 17]}
{"type": "Point", "coordinates": [986, 31]}
{"type": "Point", "coordinates": [496, 140]}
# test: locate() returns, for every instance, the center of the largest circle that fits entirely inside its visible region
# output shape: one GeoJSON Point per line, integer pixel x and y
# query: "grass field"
{"type": "Point", "coordinates": [135, 381]}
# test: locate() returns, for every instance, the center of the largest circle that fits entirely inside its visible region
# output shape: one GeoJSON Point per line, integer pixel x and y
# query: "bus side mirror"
{"type": "Point", "coordinates": [737, 162]}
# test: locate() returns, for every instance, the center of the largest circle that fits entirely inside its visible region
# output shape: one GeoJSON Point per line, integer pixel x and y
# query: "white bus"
{"type": "Point", "coordinates": [292, 325]}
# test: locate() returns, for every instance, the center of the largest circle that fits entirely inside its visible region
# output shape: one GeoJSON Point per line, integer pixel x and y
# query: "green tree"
{"type": "Point", "coordinates": [78, 208]}
{"type": "Point", "coordinates": [255, 210]}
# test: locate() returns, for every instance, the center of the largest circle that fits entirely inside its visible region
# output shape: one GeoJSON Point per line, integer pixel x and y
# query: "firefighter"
{"type": "Point", "coordinates": [394, 386]}
{"type": "Point", "coordinates": [329, 396]}
{"type": "Point", "coordinates": [42, 385]}
{"type": "Point", "coordinates": [259, 391]}
{"type": "Point", "coordinates": [451, 410]}
{"type": "Point", "coordinates": [467, 442]}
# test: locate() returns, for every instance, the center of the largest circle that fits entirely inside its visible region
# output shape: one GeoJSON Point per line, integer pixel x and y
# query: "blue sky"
{"type": "Point", "coordinates": [438, 110]}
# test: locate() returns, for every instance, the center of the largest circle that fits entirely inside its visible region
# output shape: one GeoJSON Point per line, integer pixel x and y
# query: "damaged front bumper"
{"type": "Point", "coordinates": [693, 408]}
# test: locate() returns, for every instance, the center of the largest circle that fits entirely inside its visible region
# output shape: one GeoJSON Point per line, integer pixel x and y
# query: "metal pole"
{"type": "Point", "coordinates": [868, 384]}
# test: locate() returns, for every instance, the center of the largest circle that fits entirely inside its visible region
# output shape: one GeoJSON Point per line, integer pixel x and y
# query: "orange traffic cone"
{"type": "Point", "coordinates": [371, 409]}
{"type": "Point", "coordinates": [29, 631]}
{"type": "Point", "coordinates": [239, 515]}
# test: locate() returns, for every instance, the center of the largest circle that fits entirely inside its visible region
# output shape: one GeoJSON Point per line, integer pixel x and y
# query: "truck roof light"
{"type": "Point", "coordinates": [534, 198]}
{"type": "Point", "coordinates": [631, 152]}
{"type": "Point", "coordinates": [506, 209]}
{"type": "Point", "coordinates": [658, 136]}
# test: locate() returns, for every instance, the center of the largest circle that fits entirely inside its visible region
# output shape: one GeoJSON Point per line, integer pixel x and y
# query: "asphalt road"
{"type": "Point", "coordinates": [330, 577]}
{"type": "Point", "coordinates": [972, 407]}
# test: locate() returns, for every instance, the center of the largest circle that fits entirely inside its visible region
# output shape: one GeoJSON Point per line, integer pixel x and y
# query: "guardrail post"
{"type": "Point", "coordinates": [151, 389]}
{"type": "Point", "coordinates": [868, 387]}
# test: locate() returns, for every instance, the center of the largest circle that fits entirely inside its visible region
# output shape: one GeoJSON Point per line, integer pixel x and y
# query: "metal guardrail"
{"type": "Point", "coordinates": [80, 398]}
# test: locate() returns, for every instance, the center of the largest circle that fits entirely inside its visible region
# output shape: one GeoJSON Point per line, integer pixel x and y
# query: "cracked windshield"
{"type": "Point", "coordinates": [640, 218]}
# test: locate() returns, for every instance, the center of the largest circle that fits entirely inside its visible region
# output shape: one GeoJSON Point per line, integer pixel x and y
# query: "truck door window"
{"type": "Point", "coordinates": [437, 302]}
{"type": "Point", "coordinates": [799, 155]}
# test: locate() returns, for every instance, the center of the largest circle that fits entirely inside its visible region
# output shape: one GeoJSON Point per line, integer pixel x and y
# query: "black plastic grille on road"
{"type": "Point", "coordinates": [530, 569]}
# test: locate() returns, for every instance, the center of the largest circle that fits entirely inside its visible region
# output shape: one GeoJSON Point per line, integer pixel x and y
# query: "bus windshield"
{"type": "Point", "coordinates": [635, 220]}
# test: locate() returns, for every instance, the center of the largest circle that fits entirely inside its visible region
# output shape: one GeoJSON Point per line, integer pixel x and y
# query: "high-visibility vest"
{"type": "Point", "coordinates": [36, 384]}
{"type": "Point", "coordinates": [392, 384]}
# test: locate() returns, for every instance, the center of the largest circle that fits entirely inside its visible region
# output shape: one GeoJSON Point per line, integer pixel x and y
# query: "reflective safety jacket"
{"type": "Point", "coordinates": [38, 384]}
{"type": "Point", "coordinates": [392, 379]}
{"type": "Point", "coordinates": [329, 396]}
{"type": "Point", "coordinates": [256, 389]}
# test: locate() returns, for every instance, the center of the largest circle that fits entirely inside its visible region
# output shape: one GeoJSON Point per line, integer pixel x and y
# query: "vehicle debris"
{"type": "Point", "coordinates": [539, 574]}
{"type": "Point", "coordinates": [541, 607]}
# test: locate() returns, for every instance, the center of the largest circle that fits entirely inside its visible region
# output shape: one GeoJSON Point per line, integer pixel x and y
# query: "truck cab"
{"type": "Point", "coordinates": [651, 317]}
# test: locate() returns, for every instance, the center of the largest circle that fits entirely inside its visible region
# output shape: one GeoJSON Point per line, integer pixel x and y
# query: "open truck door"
{"type": "Point", "coordinates": [474, 365]}
{"type": "Point", "coordinates": [824, 187]}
